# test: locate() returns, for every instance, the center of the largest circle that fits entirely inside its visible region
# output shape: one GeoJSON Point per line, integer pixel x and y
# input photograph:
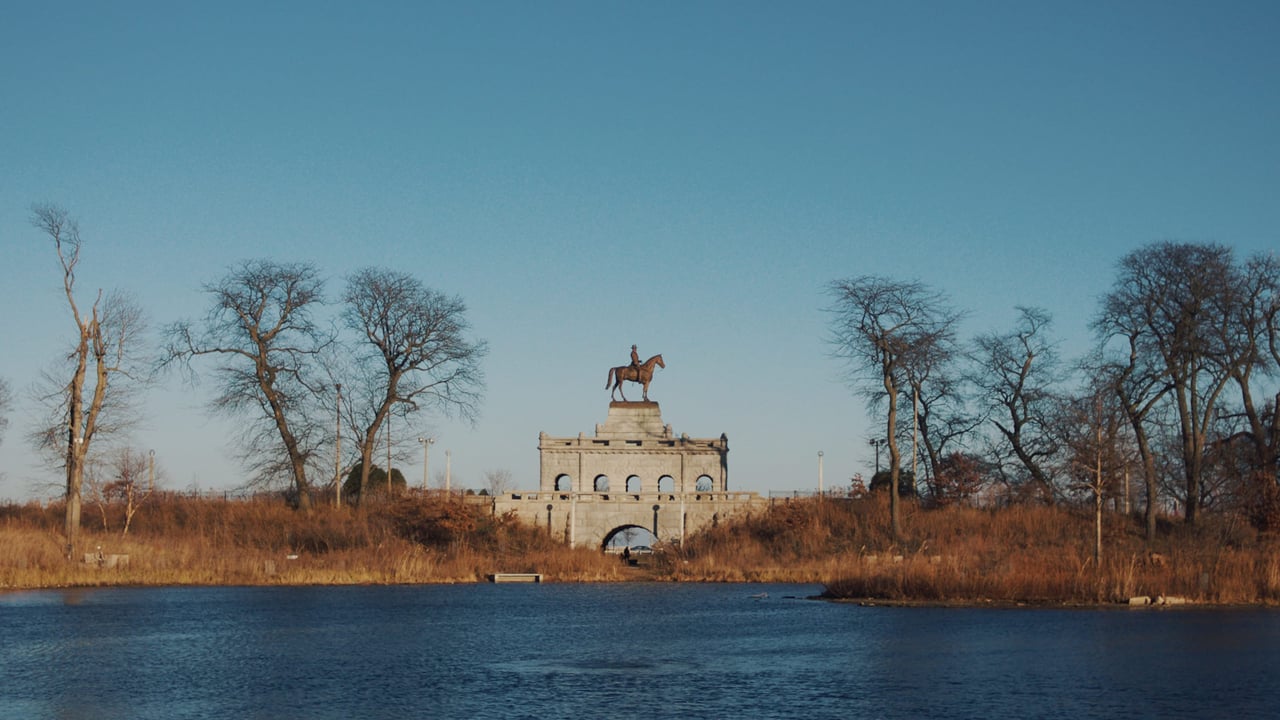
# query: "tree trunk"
{"type": "Point", "coordinates": [1190, 456]}
{"type": "Point", "coordinates": [72, 516]}
{"type": "Point", "coordinates": [300, 483]}
{"type": "Point", "coordinates": [895, 461]}
{"type": "Point", "coordinates": [1097, 496]}
{"type": "Point", "coordinates": [75, 444]}
{"type": "Point", "coordinates": [1148, 478]}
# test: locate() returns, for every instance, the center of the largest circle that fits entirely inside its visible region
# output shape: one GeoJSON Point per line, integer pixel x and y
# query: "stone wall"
{"type": "Point", "coordinates": [590, 519]}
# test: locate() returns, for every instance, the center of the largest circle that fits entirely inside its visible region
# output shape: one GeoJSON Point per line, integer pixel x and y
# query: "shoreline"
{"type": "Point", "coordinates": [1180, 604]}
{"type": "Point", "coordinates": [1020, 556]}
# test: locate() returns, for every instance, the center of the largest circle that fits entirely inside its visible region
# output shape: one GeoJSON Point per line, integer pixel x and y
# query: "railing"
{"type": "Point", "coordinates": [589, 497]}
{"type": "Point", "coordinates": [580, 443]}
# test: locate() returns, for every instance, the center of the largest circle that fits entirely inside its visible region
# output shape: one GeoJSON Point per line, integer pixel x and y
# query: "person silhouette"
{"type": "Point", "coordinates": [635, 361]}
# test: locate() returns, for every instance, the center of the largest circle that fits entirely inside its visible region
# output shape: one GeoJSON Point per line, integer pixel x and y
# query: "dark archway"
{"type": "Point", "coordinates": [639, 539]}
{"type": "Point", "coordinates": [564, 483]}
{"type": "Point", "coordinates": [601, 484]}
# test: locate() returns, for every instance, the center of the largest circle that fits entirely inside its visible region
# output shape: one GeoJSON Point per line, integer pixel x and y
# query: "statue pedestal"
{"type": "Point", "coordinates": [633, 420]}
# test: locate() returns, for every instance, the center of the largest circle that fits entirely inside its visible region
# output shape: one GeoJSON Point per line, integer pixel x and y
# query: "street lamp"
{"type": "Point", "coordinates": [877, 443]}
{"type": "Point", "coordinates": [819, 473]}
{"type": "Point", "coordinates": [426, 446]}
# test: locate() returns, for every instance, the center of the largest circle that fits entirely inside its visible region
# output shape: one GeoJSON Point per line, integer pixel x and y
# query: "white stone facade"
{"type": "Point", "coordinates": [677, 484]}
{"type": "Point", "coordinates": [633, 451]}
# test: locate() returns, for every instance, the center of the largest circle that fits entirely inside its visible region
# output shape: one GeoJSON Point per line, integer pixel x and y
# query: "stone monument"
{"type": "Point", "coordinates": [633, 471]}
{"type": "Point", "coordinates": [634, 452]}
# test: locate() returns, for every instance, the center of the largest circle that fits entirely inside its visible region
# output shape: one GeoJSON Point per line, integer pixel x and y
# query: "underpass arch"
{"type": "Point", "coordinates": [633, 535]}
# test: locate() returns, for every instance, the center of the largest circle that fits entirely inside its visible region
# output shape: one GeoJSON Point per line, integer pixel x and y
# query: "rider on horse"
{"type": "Point", "coordinates": [637, 372]}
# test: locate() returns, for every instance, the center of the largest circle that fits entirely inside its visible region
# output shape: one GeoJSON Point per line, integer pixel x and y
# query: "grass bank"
{"type": "Point", "coordinates": [178, 540]}
{"type": "Point", "coordinates": [1019, 554]}
{"type": "Point", "coordinates": [1012, 555]}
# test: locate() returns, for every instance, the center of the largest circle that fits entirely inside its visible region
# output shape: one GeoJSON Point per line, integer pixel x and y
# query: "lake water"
{"type": "Point", "coordinates": [627, 651]}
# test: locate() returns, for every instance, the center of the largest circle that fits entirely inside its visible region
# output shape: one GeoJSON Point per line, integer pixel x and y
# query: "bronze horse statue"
{"type": "Point", "coordinates": [628, 372]}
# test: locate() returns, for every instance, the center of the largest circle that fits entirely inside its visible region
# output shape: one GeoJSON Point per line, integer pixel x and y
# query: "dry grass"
{"type": "Point", "coordinates": [193, 541]}
{"type": "Point", "coordinates": [1020, 554]}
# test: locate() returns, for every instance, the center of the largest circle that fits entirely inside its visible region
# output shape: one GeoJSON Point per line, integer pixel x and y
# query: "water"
{"type": "Point", "coordinates": [628, 651]}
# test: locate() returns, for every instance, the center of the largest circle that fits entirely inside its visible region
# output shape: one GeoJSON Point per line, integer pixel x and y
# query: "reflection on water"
{"type": "Point", "coordinates": [654, 651]}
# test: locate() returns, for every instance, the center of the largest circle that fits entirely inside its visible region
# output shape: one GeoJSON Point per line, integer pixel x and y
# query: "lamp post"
{"type": "Point", "coordinates": [426, 445]}
{"type": "Point", "coordinates": [877, 443]}
{"type": "Point", "coordinates": [819, 473]}
{"type": "Point", "coordinates": [151, 471]}
{"type": "Point", "coordinates": [448, 471]}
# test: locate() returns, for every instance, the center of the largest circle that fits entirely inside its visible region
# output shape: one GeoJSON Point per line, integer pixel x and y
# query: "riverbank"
{"type": "Point", "coordinates": [1020, 555]}
{"type": "Point", "coordinates": [1011, 556]}
{"type": "Point", "coordinates": [180, 540]}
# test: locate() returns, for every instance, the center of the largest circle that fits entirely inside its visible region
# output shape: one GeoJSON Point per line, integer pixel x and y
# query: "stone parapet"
{"type": "Point", "coordinates": [582, 442]}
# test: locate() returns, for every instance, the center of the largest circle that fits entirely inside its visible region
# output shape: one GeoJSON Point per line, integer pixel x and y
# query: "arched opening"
{"type": "Point", "coordinates": [666, 484]}
{"type": "Point", "coordinates": [601, 484]}
{"type": "Point", "coordinates": [564, 483]}
{"type": "Point", "coordinates": [633, 484]}
{"type": "Point", "coordinates": [705, 484]}
{"type": "Point", "coordinates": [638, 540]}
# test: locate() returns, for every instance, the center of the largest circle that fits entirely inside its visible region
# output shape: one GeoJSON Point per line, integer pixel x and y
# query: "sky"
{"type": "Point", "coordinates": [685, 176]}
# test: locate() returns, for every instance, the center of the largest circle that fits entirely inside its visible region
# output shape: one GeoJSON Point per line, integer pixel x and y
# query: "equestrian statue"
{"type": "Point", "coordinates": [636, 372]}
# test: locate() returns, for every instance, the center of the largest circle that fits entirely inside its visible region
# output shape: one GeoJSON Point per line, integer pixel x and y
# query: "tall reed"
{"type": "Point", "coordinates": [1016, 554]}
{"type": "Point", "coordinates": [178, 540]}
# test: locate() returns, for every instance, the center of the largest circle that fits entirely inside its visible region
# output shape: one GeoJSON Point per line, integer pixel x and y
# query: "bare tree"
{"type": "Point", "coordinates": [91, 393]}
{"type": "Point", "coordinates": [261, 330]}
{"type": "Point", "coordinates": [93, 489]}
{"type": "Point", "coordinates": [882, 329]}
{"type": "Point", "coordinates": [6, 400]}
{"type": "Point", "coordinates": [1094, 447]}
{"type": "Point", "coordinates": [1176, 301]}
{"type": "Point", "coordinates": [1257, 333]}
{"type": "Point", "coordinates": [961, 477]}
{"type": "Point", "coordinates": [497, 482]}
{"type": "Point", "coordinates": [1015, 374]}
{"type": "Point", "coordinates": [413, 352]}
{"type": "Point", "coordinates": [940, 416]}
{"type": "Point", "coordinates": [1139, 388]}
{"type": "Point", "coordinates": [123, 476]}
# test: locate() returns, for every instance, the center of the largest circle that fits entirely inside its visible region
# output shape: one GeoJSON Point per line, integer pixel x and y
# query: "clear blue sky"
{"type": "Point", "coordinates": [686, 176]}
